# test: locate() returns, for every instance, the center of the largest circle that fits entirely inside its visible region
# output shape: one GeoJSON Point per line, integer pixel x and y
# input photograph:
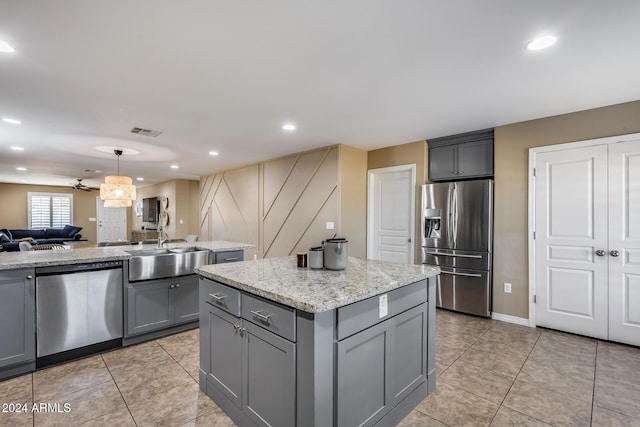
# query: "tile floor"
{"type": "Point", "coordinates": [489, 373]}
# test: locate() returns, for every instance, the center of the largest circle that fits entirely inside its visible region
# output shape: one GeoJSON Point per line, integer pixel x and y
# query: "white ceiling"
{"type": "Point", "coordinates": [225, 75]}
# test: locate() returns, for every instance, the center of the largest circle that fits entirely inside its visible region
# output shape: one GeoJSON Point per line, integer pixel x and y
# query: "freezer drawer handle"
{"type": "Point", "coordinates": [454, 255]}
{"type": "Point", "coordinates": [461, 274]}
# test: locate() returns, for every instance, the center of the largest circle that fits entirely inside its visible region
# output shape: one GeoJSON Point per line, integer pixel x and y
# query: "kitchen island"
{"type": "Point", "coordinates": [288, 346]}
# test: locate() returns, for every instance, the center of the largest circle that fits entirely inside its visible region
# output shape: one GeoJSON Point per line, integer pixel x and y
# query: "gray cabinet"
{"type": "Point", "coordinates": [468, 155]}
{"type": "Point", "coordinates": [17, 315]}
{"type": "Point", "coordinates": [379, 366]}
{"type": "Point", "coordinates": [247, 363]}
{"type": "Point", "coordinates": [158, 304]}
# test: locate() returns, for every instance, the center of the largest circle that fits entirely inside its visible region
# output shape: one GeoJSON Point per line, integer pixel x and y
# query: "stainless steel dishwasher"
{"type": "Point", "coordinates": [78, 310]}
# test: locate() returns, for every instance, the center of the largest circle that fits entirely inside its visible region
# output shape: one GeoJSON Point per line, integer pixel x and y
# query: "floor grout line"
{"type": "Point", "coordinates": [119, 391]}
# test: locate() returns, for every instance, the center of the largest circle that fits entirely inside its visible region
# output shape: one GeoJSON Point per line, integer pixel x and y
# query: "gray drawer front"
{"type": "Point", "coordinates": [358, 316]}
{"type": "Point", "coordinates": [223, 297]}
{"type": "Point", "coordinates": [229, 256]}
{"type": "Point", "coordinates": [272, 316]}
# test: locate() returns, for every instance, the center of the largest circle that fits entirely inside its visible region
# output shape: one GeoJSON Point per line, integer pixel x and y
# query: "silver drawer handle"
{"type": "Point", "coordinates": [461, 274]}
{"type": "Point", "coordinates": [265, 317]}
{"type": "Point", "coordinates": [218, 297]}
{"type": "Point", "coordinates": [454, 255]}
{"type": "Point", "coordinates": [231, 259]}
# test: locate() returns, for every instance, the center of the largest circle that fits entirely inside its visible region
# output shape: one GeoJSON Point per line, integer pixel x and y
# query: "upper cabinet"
{"type": "Point", "coordinates": [462, 156]}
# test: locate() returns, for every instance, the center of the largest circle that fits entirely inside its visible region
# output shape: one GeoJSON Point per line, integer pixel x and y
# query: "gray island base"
{"type": "Point", "coordinates": [282, 346]}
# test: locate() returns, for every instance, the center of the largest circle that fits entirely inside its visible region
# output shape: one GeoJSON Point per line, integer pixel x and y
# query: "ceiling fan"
{"type": "Point", "coordinates": [79, 186]}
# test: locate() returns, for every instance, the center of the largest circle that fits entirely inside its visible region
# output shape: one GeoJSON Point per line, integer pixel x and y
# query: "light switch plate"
{"type": "Point", "coordinates": [507, 288]}
{"type": "Point", "coordinates": [330, 225]}
{"type": "Point", "coordinates": [383, 308]}
{"type": "Point", "coordinates": [92, 219]}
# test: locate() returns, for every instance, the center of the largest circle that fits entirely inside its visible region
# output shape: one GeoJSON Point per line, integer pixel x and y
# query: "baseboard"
{"type": "Point", "coordinates": [510, 319]}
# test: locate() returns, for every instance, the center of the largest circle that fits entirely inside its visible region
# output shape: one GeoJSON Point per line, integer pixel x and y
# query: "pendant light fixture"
{"type": "Point", "coordinates": [117, 191]}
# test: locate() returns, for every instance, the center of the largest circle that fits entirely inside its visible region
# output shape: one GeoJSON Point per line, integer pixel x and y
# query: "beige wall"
{"type": "Point", "coordinates": [352, 180]}
{"type": "Point", "coordinates": [14, 207]}
{"type": "Point", "coordinates": [183, 198]}
{"type": "Point", "coordinates": [405, 154]}
{"type": "Point", "coordinates": [282, 205]}
{"type": "Point", "coordinates": [512, 143]}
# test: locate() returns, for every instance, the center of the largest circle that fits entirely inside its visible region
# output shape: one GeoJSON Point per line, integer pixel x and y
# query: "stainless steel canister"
{"type": "Point", "coordinates": [335, 254]}
{"type": "Point", "coordinates": [316, 257]}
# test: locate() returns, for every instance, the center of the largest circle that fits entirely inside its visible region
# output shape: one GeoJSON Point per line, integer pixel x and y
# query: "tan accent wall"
{"type": "Point", "coordinates": [512, 143]}
{"type": "Point", "coordinates": [282, 205]}
{"type": "Point", "coordinates": [405, 154]}
{"type": "Point", "coordinates": [183, 201]}
{"type": "Point", "coordinates": [14, 207]}
{"type": "Point", "coordinates": [229, 207]}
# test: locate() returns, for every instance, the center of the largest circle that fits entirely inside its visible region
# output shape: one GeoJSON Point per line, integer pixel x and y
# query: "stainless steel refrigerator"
{"type": "Point", "coordinates": [457, 230]}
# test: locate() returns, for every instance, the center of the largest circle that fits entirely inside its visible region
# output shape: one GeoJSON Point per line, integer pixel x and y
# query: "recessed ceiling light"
{"type": "Point", "coordinates": [139, 178]}
{"type": "Point", "coordinates": [289, 127]}
{"type": "Point", "coordinates": [21, 169]}
{"type": "Point", "coordinates": [174, 166]}
{"type": "Point", "coordinates": [542, 42]}
{"type": "Point", "coordinates": [12, 121]}
{"type": "Point", "coordinates": [214, 153]}
{"type": "Point", "coordinates": [5, 47]}
{"type": "Point", "coordinates": [17, 148]}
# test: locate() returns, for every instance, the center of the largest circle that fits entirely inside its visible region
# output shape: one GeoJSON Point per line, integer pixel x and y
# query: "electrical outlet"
{"type": "Point", "coordinates": [330, 225]}
{"type": "Point", "coordinates": [507, 288]}
{"type": "Point", "coordinates": [383, 307]}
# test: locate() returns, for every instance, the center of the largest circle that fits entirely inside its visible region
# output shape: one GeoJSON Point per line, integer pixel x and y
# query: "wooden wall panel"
{"type": "Point", "coordinates": [294, 219]}
{"type": "Point", "coordinates": [229, 206]}
{"type": "Point", "coordinates": [281, 206]}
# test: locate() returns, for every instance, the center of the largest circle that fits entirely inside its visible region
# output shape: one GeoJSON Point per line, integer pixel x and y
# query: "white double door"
{"type": "Point", "coordinates": [587, 238]}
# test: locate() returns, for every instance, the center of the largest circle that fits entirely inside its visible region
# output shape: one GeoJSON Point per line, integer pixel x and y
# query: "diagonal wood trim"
{"type": "Point", "coordinates": [324, 158]}
{"type": "Point", "coordinates": [284, 183]}
{"type": "Point", "coordinates": [235, 202]}
{"type": "Point", "coordinates": [313, 219]}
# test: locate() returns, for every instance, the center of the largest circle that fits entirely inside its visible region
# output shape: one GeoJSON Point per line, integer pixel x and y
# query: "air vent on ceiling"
{"type": "Point", "coordinates": [146, 132]}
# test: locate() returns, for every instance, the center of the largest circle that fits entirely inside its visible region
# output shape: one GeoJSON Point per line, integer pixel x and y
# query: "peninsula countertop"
{"type": "Point", "coordinates": [313, 291]}
{"type": "Point", "coordinates": [30, 259]}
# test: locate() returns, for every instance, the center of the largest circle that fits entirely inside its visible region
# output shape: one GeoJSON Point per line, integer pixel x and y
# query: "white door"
{"type": "Point", "coordinates": [571, 226]}
{"type": "Point", "coordinates": [624, 242]}
{"type": "Point", "coordinates": [391, 207]}
{"type": "Point", "coordinates": [112, 223]}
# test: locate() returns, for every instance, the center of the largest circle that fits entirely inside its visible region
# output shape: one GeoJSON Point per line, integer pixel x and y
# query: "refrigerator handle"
{"type": "Point", "coordinates": [455, 214]}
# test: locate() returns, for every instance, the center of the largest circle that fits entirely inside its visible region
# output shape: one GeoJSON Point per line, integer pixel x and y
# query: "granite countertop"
{"type": "Point", "coordinates": [30, 259]}
{"type": "Point", "coordinates": [313, 291]}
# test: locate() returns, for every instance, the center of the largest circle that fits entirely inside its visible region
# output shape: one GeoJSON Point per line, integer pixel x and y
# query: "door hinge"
{"type": "Point", "coordinates": [534, 299]}
{"type": "Point", "coordinates": [534, 171]}
{"type": "Point", "coordinates": [534, 235]}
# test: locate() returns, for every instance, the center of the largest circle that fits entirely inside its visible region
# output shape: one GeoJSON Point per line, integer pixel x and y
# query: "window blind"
{"type": "Point", "coordinates": [50, 210]}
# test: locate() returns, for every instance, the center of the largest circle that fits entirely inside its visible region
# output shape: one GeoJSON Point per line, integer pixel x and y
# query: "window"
{"type": "Point", "coordinates": [50, 210]}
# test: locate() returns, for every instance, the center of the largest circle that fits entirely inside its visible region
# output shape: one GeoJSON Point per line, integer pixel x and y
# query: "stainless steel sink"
{"type": "Point", "coordinates": [183, 250]}
{"type": "Point", "coordinates": [146, 264]}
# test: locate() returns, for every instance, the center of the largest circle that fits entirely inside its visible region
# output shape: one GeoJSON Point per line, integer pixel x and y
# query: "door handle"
{"type": "Point", "coordinates": [259, 315]}
{"type": "Point", "coordinates": [614, 253]}
{"type": "Point", "coordinates": [600, 252]}
{"type": "Point", "coordinates": [461, 274]}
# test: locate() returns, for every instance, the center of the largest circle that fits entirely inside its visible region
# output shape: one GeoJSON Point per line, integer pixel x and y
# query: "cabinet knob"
{"type": "Point", "coordinates": [172, 286]}
{"type": "Point", "coordinates": [29, 277]}
{"type": "Point", "coordinates": [177, 285]}
{"type": "Point", "coordinates": [614, 253]}
{"type": "Point", "coordinates": [600, 252]}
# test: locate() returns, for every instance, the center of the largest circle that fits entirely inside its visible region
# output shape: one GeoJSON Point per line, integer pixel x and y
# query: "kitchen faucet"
{"type": "Point", "coordinates": [161, 241]}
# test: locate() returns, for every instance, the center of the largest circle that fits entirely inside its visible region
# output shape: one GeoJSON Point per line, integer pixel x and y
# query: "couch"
{"type": "Point", "coordinates": [10, 239]}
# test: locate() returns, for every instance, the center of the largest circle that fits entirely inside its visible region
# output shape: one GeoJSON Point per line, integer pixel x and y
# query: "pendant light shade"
{"type": "Point", "coordinates": [117, 191]}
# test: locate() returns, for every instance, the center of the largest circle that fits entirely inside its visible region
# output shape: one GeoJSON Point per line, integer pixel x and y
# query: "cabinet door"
{"type": "Point", "coordinates": [225, 354]}
{"type": "Point", "coordinates": [149, 306]}
{"type": "Point", "coordinates": [408, 352]}
{"type": "Point", "coordinates": [443, 163]}
{"type": "Point", "coordinates": [269, 377]}
{"type": "Point", "coordinates": [475, 159]}
{"type": "Point", "coordinates": [363, 375]}
{"type": "Point", "coordinates": [185, 299]}
{"type": "Point", "coordinates": [17, 306]}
